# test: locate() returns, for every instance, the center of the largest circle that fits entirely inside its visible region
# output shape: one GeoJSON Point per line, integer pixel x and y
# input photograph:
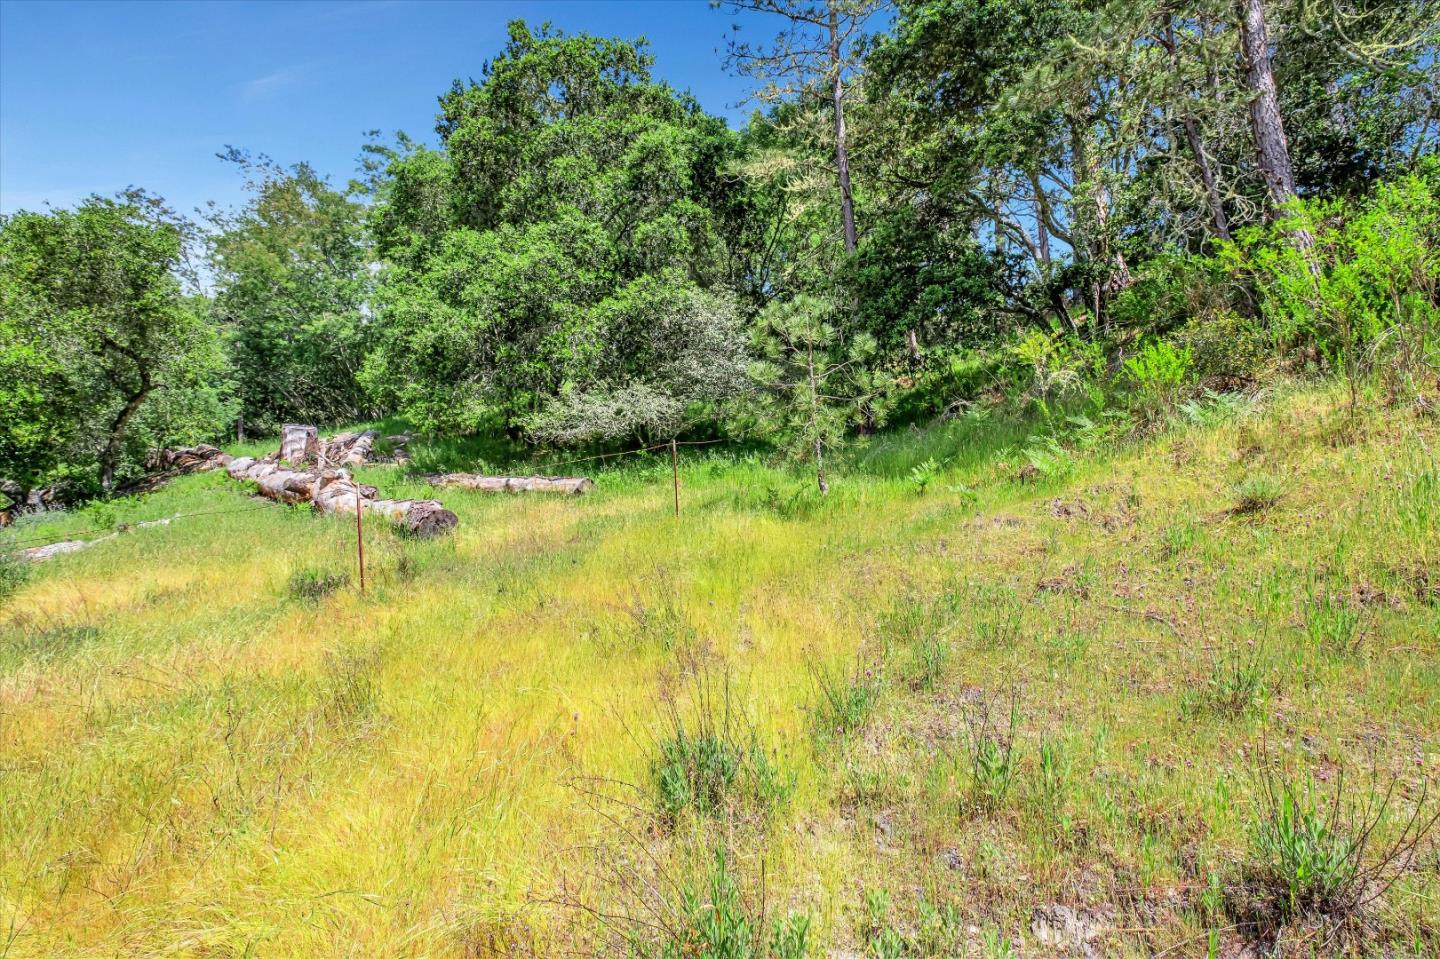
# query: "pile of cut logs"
{"type": "Point", "coordinates": [282, 476]}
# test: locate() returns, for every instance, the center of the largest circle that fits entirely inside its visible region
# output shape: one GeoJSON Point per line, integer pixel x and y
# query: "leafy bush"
{"type": "Point", "coordinates": [1362, 292]}
{"type": "Point", "coordinates": [1226, 350]}
{"type": "Point", "coordinates": [1156, 374]}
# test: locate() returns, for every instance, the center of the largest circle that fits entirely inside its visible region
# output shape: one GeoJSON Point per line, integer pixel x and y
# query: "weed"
{"type": "Point", "coordinates": [1000, 628]}
{"type": "Point", "coordinates": [314, 584]}
{"type": "Point", "coordinates": [846, 698]}
{"type": "Point", "coordinates": [50, 643]}
{"type": "Point", "coordinates": [662, 621]}
{"type": "Point", "coordinates": [717, 923]}
{"type": "Point", "coordinates": [1257, 493]}
{"type": "Point", "coordinates": [939, 927]}
{"type": "Point", "coordinates": [923, 474]}
{"type": "Point", "coordinates": [1332, 623]}
{"type": "Point", "coordinates": [1237, 683]}
{"type": "Point", "coordinates": [996, 945]}
{"type": "Point", "coordinates": [920, 627]}
{"type": "Point", "coordinates": [990, 755]}
{"type": "Point", "coordinates": [1178, 537]}
{"type": "Point", "coordinates": [1049, 459]}
{"type": "Point", "coordinates": [884, 940]}
{"type": "Point", "coordinates": [1327, 858]}
{"type": "Point", "coordinates": [709, 760]}
{"type": "Point", "coordinates": [349, 688]}
{"type": "Point", "coordinates": [14, 571]}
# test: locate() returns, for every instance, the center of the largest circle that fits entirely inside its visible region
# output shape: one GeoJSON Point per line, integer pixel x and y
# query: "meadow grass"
{"type": "Point", "coordinates": [1074, 685]}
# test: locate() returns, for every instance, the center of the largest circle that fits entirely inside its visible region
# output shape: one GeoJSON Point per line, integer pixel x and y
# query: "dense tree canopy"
{"type": "Point", "coordinates": [524, 257]}
{"type": "Point", "coordinates": [292, 280]}
{"type": "Point", "coordinates": [94, 329]}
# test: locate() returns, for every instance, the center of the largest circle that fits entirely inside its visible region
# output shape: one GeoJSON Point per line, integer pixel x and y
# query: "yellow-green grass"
{"type": "Point", "coordinates": [196, 761]}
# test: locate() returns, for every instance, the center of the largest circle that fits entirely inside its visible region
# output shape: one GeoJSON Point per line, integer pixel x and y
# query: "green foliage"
{"type": "Point", "coordinates": [923, 474]}
{"type": "Point", "coordinates": [14, 571]}
{"type": "Point", "coordinates": [101, 354]}
{"type": "Point", "coordinates": [1258, 492]}
{"type": "Point", "coordinates": [1300, 854]}
{"type": "Point", "coordinates": [719, 924]}
{"type": "Point", "coordinates": [292, 277]}
{"type": "Point", "coordinates": [1362, 290]}
{"type": "Point", "coordinates": [813, 383]}
{"type": "Point", "coordinates": [708, 760]}
{"type": "Point", "coordinates": [554, 252]}
{"type": "Point", "coordinates": [845, 700]}
{"type": "Point", "coordinates": [990, 756]}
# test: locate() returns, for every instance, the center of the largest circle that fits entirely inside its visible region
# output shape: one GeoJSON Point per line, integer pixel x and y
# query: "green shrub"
{"type": "Point", "coordinates": [1156, 374]}
{"type": "Point", "coordinates": [1361, 294]}
{"type": "Point", "coordinates": [1225, 350]}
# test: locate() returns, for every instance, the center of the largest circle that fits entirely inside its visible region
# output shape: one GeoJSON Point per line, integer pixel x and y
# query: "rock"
{"type": "Point", "coordinates": [1066, 928]}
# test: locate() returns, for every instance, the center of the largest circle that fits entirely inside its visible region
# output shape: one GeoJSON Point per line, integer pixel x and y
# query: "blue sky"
{"type": "Point", "coordinates": [95, 97]}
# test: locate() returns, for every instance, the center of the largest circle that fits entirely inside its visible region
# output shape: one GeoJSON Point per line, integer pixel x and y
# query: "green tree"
{"type": "Point", "coordinates": [814, 383]}
{"type": "Point", "coordinates": [94, 332]}
{"type": "Point", "coordinates": [566, 177]}
{"type": "Point", "coordinates": [292, 278]}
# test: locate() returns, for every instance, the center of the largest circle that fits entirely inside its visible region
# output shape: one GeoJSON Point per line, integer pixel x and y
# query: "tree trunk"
{"type": "Point", "coordinates": [815, 422]}
{"type": "Point", "coordinates": [842, 156]}
{"type": "Point", "coordinates": [111, 455]}
{"type": "Point", "coordinates": [1219, 222]}
{"type": "Point", "coordinates": [1272, 151]}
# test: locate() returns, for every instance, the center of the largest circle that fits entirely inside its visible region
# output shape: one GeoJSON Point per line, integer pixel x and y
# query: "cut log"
{"type": "Point", "coordinates": [333, 491]}
{"type": "Point", "coordinates": [299, 443]}
{"type": "Point", "coordinates": [187, 459]}
{"type": "Point", "coordinates": [349, 449]}
{"type": "Point", "coordinates": [572, 485]}
{"type": "Point", "coordinates": [37, 553]}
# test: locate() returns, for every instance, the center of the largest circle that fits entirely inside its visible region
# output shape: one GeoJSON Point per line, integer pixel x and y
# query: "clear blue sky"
{"type": "Point", "coordinates": [95, 97]}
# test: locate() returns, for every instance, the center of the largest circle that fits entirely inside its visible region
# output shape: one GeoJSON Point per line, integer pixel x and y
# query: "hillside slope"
{"type": "Point", "coordinates": [949, 711]}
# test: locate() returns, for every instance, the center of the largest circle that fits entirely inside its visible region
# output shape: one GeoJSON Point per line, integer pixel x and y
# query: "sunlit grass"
{"type": "Point", "coordinates": [197, 760]}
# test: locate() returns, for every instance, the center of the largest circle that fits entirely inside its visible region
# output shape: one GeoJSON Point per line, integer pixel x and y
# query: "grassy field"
{"type": "Point", "coordinates": [964, 708]}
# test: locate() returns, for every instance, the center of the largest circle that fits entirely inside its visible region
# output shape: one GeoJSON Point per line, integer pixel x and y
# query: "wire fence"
{"type": "Point", "coordinates": [126, 527]}
{"type": "Point", "coordinates": [40, 542]}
